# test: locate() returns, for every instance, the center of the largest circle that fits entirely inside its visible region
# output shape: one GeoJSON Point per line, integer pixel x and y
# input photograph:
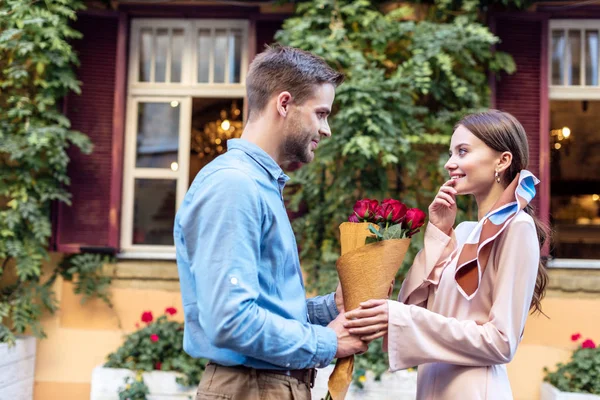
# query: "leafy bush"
{"type": "Point", "coordinates": [408, 82]}
{"type": "Point", "coordinates": [157, 346]}
{"type": "Point", "coordinates": [36, 72]}
{"type": "Point", "coordinates": [581, 373]}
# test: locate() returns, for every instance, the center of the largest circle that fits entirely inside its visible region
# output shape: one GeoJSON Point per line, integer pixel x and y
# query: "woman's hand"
{"type": "Point", "coordinates": [369, 321]}
{"type": "Point", "coordinates": [442, 211]}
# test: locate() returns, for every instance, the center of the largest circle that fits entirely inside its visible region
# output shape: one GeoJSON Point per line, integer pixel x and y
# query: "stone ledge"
{"type": "Point", "coordinates": [574, 280]}
{"type": "Point", "coordinates": [143, 274]}
{"type": "Point", "coordinates": [142, 269]}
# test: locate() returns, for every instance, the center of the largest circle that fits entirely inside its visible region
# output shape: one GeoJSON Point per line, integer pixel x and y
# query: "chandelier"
{"type": "Point", "coordinates": [560, 138]}
{"type": "Point", "coordinates": [211, 140]}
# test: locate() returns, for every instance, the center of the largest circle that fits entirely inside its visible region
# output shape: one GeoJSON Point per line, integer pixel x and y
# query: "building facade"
{"type": "Point", "coordinates": [163, 88]}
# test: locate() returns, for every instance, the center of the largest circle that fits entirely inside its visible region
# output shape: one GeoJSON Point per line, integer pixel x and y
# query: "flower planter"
{"type": "Point", "coordinates": [401, 385]}
{"type": "Point", "coordinates": [549, 392]}
{"type": "Point", "coordinates": [17, 367]}
{"type": "Point", "coordinates": [106, 383]}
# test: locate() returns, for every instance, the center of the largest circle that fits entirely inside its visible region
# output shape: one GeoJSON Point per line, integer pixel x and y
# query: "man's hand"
{"type": "Point", "coordinates": [347, 344]}
{"type": "Point", "coordinates": [339, 298]}
{"type": "Point", "coordinates": [369, 321]}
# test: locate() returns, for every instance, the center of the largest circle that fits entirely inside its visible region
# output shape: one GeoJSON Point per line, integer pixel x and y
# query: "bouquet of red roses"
{"type": "Point", "coordinates": [373, 245]}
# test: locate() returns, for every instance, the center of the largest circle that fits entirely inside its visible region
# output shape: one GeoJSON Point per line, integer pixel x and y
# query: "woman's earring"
{"type": "Point", "coordinates": [497, 176]}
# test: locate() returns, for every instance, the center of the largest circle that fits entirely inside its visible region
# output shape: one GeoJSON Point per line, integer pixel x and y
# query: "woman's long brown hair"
{"type": "Point", "coordinates": [502, 132]}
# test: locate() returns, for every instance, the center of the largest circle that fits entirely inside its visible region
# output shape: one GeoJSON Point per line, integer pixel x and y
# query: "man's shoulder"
{"type": "Point", "coordinates": [226, 170]}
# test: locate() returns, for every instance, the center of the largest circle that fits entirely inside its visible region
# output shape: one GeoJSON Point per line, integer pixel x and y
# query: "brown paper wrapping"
{"type": "Point", "coordinates": [365, 272]}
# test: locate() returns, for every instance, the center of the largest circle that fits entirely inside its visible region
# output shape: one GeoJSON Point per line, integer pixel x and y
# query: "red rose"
{"type": "Point", "coordinates": [588, 344]}
{"type": "Point", "coordinates": [154, 337]}
{"type": "Point", "coordinates": [147, 317]}
{"type": "Point", "coordinates": [171, 311]}
{"type": "Point", "coordinates": [157, 365]}
{"type": "Point", "coordinates": [391, 211]}
{"type": "Point", "coordinates": [353, 218]}
{"type": "Point", "coordinates": [365, 209]}
{"type": "Point", "coordinates": [575, 337]}
{"type": "Point", "coordinates": [415, 218]}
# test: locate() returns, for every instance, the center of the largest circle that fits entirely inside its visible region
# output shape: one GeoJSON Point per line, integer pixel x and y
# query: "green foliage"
{"type": "Point", "coordinates": [407, 83]}
{"type": "Point", "coordinates": [135, 389]}
{"type": "Point", "coordinates": [36, 71]}
{"type": "Point", "coordinates": [581, 374]}
{"type": "Point", "coordinates": [140, 352]}
{"type": "Point", "coordinates": [85, 271]}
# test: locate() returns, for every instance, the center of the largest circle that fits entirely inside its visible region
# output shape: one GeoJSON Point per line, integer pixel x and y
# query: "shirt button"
{"type": "Point", "coordinates": [234, 281]}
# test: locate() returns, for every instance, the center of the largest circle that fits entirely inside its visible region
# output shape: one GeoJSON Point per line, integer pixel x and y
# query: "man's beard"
{"type": "Point", "coordinates": [296, 146]}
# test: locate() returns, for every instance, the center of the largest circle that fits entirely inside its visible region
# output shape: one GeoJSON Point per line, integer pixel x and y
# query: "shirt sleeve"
{"type": "Point", "coordinates": [417, 335]}
{"type": "Point", "coordinates": [322, 309]}
{"type": "Point", "coordinates": [427, 266]}
{"type": "Point", "coordinates": [223, 239]}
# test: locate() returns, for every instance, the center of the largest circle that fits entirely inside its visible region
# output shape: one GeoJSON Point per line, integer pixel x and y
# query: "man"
{"type": "Point", "coordinates": [241, 283]}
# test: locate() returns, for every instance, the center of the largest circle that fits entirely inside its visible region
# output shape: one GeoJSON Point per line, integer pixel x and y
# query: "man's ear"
{"type": "Point", "coordinates": [284, 100]}
{"type": "Point", "coordinates": [504, 161]}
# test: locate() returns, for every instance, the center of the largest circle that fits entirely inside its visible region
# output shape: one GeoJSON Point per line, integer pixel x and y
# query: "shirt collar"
{"type": "Point", "coordinates": [261, 157]}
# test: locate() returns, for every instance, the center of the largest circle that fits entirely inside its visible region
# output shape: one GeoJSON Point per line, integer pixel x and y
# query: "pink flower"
{"type": "Point", "coordinates": [588, 344]}
{"type": "Point", "coordinates": [171, 311]}
{"type": "Point", "coordinates": [353, 218]}
{"type": "Point", "coordinates": [575, 337]}
{"type": "Point", "coordinates": [147, 317]}
{"type": "Point", "coordinates": [154, 337]}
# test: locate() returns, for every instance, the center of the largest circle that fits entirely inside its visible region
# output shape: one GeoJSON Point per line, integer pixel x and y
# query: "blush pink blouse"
{"type": "Point", "coordinates": [461, 342]}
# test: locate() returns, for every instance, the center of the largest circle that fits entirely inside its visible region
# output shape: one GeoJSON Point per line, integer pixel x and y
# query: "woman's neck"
{"type": "Point", "coordinates": [486, 201]}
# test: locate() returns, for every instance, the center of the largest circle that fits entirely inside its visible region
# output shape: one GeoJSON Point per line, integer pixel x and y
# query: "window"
{"type": "Point", "coordinates": [185, 100]}
{"type": "Point", "coordinates": [574, 59]}
{"type": "Point", "coordinates": [575, 181]}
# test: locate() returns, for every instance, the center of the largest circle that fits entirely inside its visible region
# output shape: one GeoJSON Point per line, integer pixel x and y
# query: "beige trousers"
{"type": "Point", "coordinates": [223, 383]}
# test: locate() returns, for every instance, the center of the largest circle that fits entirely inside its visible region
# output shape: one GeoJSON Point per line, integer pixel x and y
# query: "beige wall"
{"type": "Point", "coordinates": [81, 336]}
{"type": "Point", "coordinates": [548, 340]}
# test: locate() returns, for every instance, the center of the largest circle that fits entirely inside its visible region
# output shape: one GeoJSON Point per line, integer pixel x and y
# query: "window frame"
{"type": "Point", "coordinates": [165, 92]}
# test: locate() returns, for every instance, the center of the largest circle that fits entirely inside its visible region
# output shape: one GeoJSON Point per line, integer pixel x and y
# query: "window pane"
{"type": "Point", "coordinates": [214, 121]}
{"type": "Point", "coordinates": [220, 55]}
{"type": "Point", "coordinates": [575, 183]}
{"type": "Point", "coordinates": [162, 47]}
{"type": "Point", "coordinates": [204, 46]}
{"type": "Point", "coordinates": [158, 134]}
{"type": "Point", "coordinates": [145, 54]}
{"type": "Point", "coordinates": [574, 73]}
{"type": "Point", "coordinates": [235, 55]}
{"type": "Point", "coordinates": [154, 211]}
{"type": "Point", "coordinates": [558, 57]}
{"type": "Point", "coordinates": [591, 58]}
{"type": "Point", "coordinates": [177, 43]}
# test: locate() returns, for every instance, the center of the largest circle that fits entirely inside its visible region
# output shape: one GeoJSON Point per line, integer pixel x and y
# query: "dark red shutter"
{"type": "Point", "coordinates": [265, 32]}
{"type": "Point", "coordinates": [524, 94]}
{"type": "Point", "coordinates": [90, 222]}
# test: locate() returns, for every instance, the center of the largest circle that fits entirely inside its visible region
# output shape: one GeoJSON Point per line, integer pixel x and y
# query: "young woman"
{"type": "Point", "coordinates": [463, 305]}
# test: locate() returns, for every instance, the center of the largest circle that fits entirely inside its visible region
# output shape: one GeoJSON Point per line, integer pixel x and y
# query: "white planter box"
{"type": "Point", "coordinates": [401, 385]}
{"type": "Point", "coordinates": [106, 383]}
{"type": "Point", "coordinates": [549, 392]}
{"type": "Point", "coordinates": [17, 367]}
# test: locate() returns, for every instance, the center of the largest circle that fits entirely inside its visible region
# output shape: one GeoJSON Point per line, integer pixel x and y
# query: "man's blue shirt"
{"type": "Point", "coordinates": [241, 283]}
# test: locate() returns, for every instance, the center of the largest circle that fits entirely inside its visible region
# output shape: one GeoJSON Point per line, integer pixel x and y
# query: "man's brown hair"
{"type": "Point", "coordinates": [282, 68]}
